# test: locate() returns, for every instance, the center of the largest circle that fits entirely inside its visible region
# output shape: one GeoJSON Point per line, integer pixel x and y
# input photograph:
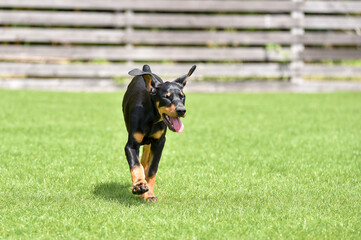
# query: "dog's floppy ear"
{"type": "Point", "coordinates": [149, 80]}
{"type": "Point", "coordinates": [184, 79]}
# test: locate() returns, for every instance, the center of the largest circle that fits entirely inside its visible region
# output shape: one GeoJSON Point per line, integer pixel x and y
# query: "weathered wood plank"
{"type": "Point", "coordinates": [275, 86]}
{"type": "Point", "coordinates": [61, 18]}
{"type": "Point", "coordinates": [118, 36]}
{"type": "Point", "coordinates": [159, 5]}
{"type": "Point", "coordinates": [192, 86]}
{"type": "Point", "coordinates": [332, 22]}
{"type": "Point", "coordinates": [331, 38]}
{"type": "Point", "coordinates": [142, 53]}
{"type": "Point", "coordinates": [334, 54]}
{"type": "Point", "coordinates": [45, 18]}
{"type": "Point", "coordinates": [166, 70]}
{"type": "Point", "coordinates": [209, 38]}
{"type": "Point", "coordinates": [198, 6]}
{"type": "Point", "coordinates": [334, 70]}
{"type": "Point", "coordinates": [211, 21]}
{"type": "Point", "coordinates": [241, 37]}
{"type": "Point", "coordinates": [168, 53]}
{"type": "Point", "coordinates": [140, 37]}
{"type": "Point", "coordinates": [195, 5]}
{"type": "Point", "coordinates": [62, 35]}
{"type": "Point", "coordinates": [332, 6]}
{"type": "Point", "coordinates": [61, 84]}
{"type": "Point", "coordinates": [110, 70]}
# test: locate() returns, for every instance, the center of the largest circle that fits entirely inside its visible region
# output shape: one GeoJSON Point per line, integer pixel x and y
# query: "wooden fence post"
{"type": "Point", "coordinates": [297, 46]}
{"type": "Point", "coordinates": [128, 32]}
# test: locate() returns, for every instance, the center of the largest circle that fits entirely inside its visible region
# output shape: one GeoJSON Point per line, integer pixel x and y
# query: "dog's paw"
{"type": "Point", "coordinates": [152, 199]}
{"type": "Point", "coordinates": [149, 197]}
{"type": "Point", "coordinates": [140, 188]}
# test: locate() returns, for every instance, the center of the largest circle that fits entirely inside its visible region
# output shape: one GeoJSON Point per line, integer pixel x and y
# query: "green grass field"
{"type": "Point", "coordinates": [284, 166]}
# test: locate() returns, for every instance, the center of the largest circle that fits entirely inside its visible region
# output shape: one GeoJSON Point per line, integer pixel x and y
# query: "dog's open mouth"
{"type": "Point", "coordinates": [174, 124]}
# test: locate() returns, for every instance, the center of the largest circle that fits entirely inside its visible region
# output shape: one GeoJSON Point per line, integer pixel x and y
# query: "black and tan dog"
{"type": "Point", "coordinates": [149, 107]}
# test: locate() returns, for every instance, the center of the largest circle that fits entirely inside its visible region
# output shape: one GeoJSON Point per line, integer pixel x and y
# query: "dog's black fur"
{"type": "Point", "coordinates": [149, 107]}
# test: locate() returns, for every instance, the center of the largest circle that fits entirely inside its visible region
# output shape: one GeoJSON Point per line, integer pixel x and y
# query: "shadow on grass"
{"type": "Point", "coordinates": [118, 192]}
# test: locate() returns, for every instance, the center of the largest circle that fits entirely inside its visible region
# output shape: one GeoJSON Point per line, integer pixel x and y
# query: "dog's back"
{"type": "Point", "coordinates": [136, 98]}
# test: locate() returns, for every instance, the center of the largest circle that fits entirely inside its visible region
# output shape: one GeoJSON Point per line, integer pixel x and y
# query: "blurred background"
{"type": "Point", "coordinates": [92, 44]}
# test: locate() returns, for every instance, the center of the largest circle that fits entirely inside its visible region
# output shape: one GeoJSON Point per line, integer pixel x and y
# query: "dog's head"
{"type": "Point", "coordinates": [168, 96]}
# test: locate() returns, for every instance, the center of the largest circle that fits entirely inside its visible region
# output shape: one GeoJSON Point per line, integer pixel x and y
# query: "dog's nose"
{"type": "Point", "coordinates": [181, 111]}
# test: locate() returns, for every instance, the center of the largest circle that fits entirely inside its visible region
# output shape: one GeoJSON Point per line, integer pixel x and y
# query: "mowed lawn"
{"type": "Point", "coordinates": [246, 166]}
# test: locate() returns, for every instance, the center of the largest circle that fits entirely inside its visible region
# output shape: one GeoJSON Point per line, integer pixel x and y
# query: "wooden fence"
{"type": "Point", "coordinates": [104, 39]}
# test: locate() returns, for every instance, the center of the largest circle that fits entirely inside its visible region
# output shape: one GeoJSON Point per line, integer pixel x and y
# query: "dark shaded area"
{"type": "Point", "coordinates": [118, 192]}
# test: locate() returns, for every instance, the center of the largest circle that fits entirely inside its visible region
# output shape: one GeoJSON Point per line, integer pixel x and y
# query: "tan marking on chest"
{"type": "Point", "coordinates": [138, 136]}
{"type": "Point", "coordinates": [157, 134]}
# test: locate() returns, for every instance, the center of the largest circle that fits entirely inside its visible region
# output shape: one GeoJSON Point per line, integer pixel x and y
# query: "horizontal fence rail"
{"type": "Point", "coordinates": [190, 6]}
{"type": "Point", "coordinates": [143, 53]}
{"type": "Point", "coordinates": [286, 39]}
{"type": "Point", "coordinates": [110, 70]}
{"type": "Point", "coordinates": [170, 37]}
{"type": "Point", "coordinates": [170, 53]}
{"type": "Point", "coordinates": [90, 19]}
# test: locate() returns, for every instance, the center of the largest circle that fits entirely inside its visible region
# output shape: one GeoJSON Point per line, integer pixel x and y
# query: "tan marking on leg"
{"type": "Point", "coordinates": [149, 196]}
{"type": "Point", "coordinates": [151, 183]}
{"type": "Point", "coordinates": [145, 156]}
{"type": "Point", "coordinates": [138, 136]}
{"type": "Point", "coordinates": [138, 175]}
{"type": "Point", "coordinates": [157, 134]}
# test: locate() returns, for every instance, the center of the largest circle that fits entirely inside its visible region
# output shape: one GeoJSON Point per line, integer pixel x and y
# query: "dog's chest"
{"type": "Point", "coordinates": [155, 132]}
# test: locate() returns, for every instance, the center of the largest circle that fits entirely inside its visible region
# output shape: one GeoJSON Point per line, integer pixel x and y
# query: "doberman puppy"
{"type": "Point", "coordinates": [149, 107]}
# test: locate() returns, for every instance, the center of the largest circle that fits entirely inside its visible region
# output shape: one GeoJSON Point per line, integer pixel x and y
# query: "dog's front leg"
{"type": "Point", "coordinates": [150, 161]}
{"type": "Point", "coordinates": [140, 185]}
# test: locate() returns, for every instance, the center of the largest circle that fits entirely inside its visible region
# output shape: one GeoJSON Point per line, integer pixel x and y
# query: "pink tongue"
{"type": "Point", "coordinates": [177, 124]}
